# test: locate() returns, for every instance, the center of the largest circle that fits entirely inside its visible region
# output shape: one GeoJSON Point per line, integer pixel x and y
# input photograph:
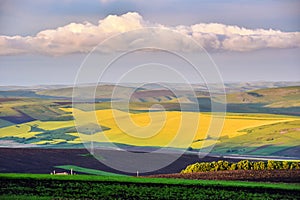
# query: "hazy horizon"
{"type": "Point", "coordinates": [293, 83]}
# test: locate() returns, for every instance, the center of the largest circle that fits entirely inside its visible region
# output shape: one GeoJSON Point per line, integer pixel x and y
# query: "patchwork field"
{"type": "Point", "coordinates": [255, 123]}
{"type": "Point", "coordinates": [152, 129]}
{"type": "Point", "coordinates": [160, 128]}
{"type": "Point", "coordinates": [41, 131]}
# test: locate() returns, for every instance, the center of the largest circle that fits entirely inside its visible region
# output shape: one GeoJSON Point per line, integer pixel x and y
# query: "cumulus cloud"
{"type": "Point", "coordinates": [82, 37]}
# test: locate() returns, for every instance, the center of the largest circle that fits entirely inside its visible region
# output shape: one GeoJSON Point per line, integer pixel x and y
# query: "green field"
{"type": "Point", "coordinates": [33, 186]}
{"type": "Point", "coordinates": [281, 139]}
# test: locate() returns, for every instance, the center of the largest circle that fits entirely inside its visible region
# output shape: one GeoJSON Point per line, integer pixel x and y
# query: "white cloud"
{"type": "Point", "coordinates": [82, 37]}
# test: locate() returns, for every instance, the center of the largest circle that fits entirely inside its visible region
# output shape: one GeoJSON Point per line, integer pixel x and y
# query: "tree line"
{"type": "Point", "coordinates": [241, 165]}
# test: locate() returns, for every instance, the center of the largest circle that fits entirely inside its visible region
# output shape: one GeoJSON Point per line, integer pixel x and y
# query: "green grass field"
{"type": "Point", "coordinates": [35, 186]}
{"type": "Point", "coordinates": [270, 139]}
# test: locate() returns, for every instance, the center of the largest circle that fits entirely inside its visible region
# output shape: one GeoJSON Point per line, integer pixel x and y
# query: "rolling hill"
{"type": "Point", "coordinates": [258, 122]}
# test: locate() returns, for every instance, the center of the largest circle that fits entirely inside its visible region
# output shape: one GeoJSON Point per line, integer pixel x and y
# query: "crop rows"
{"type": "Point", "coordinates": [144, 188]}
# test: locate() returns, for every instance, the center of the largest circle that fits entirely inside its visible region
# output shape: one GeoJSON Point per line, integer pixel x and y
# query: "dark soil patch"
{"type": "Point", "coordinates": [8, 99]}
{"type": "Point", "coordinates": [18, 119]}
{"type": "Point", "coordinates": [33, 160]}
{"type": "Point", "coordinates": [63, 102]}
{"type": "Point", "coordinates": [288, 151]}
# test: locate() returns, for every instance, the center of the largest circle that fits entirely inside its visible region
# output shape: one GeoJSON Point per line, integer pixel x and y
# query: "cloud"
{"type": "Point", "coordinates": [82, 37]}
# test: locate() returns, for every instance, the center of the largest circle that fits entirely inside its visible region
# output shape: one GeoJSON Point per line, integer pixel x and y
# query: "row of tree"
{"type": "Point", "coordinates": [241, 165]}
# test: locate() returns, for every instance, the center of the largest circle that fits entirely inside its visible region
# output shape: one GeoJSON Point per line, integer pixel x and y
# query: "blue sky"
{"type": "Point", "coordinates": [21, 62]}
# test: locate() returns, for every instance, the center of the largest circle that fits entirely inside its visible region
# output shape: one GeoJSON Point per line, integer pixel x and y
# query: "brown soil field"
{"type": "Point", "coordinates": [8, 99]}
{"type": "Point", "coordinates": [287, 176]}
{"type": "Point", "coordinates": [42, 161]}
{"type": "Point", "coordinates": [34, 160]}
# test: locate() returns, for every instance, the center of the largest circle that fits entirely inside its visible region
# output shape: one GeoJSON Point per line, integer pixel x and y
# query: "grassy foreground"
{"type": "Point", "coordinates": [35, 186]}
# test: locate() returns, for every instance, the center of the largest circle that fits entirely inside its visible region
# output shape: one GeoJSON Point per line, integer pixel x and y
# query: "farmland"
{"type": "Point", "coordinates": [27, 186]}
{"type": "Point", "coordinates": [43, 128]}
{"type": "Point", "coordinates": [165, 125]}
{"type": "Point", "coordinates": [256, 124]}
{"type": "Point", "coordinates": [46, 160]}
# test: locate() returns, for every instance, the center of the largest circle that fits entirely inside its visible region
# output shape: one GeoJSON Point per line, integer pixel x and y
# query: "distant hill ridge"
{"type": "Point", "coordinates": [234, 86]}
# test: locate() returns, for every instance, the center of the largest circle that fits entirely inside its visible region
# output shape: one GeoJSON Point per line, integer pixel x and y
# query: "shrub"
{"type": "Point", "coordinates": [244, 164]}
{"type": "Point", "coordinates": [259, 165]}
{"type": "Point", "coordinates": [233, 166]}
{"type": "Point", "coordinates": [285, 165]}
{"type": "Point", "coordinates": [295, 165]}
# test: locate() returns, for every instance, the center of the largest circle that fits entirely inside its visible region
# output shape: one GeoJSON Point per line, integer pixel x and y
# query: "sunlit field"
{"type": "Point", "coordinates": [169, 128]}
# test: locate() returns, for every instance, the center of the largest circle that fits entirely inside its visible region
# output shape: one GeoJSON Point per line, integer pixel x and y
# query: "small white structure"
{"type": "Point", "coordinates": [63, 173]}
{"type": "Point", "coordinates": [60, 173]}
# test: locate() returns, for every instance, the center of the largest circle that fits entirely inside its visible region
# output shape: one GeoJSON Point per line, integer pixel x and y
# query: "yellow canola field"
{"type": "Point", "coordinates": [171, 128]}
{"type": "Point", "coordinates": [165, 129]}
{"type": "Point", "coordinates": [16, 130]}
{"type": "Point", "coordinates": [23, 130]}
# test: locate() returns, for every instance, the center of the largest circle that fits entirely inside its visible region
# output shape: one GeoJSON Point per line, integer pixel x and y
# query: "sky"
{"type": "Point", "coordinates": [46, 42]}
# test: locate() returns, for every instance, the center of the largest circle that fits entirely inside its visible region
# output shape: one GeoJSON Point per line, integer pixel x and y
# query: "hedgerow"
{"type": "Point", "coordinates": [241, 165]}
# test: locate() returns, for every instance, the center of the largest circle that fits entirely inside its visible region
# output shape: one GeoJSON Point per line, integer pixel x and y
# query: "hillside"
{"type": "Point", "coordinates": [272, 97]}
{"type": "Point", "coordinates": [258, 122]}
